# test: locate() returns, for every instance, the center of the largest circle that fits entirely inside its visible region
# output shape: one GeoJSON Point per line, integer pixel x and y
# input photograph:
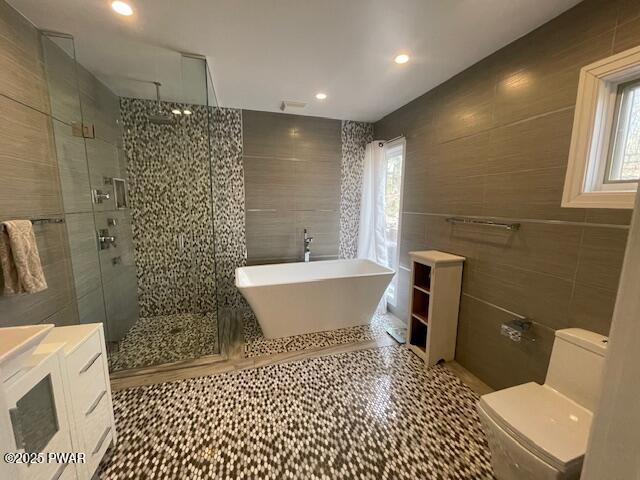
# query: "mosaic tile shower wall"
{"type": "Point", "coordinates": [355, 136]}
{"type": "Point", "coordinates": [229, 218]}
{"type": "Point", "coordinates": [170, 199]}
{"type": "Point", "coordinates": [170, 169]}
{"type": "Point", "coordinates": [170, 194]}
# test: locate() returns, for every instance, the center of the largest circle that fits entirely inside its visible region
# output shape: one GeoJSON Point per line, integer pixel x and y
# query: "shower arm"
{"type": "Point", "coordinates": [157, 84]}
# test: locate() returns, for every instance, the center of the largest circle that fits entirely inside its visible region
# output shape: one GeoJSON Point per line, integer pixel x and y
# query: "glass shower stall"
{"type": "Point", "coordinates": [135, 165]}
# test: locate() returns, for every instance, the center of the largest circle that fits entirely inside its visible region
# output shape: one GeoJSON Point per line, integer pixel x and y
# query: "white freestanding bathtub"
{"type": "Point", "coordinates": [296, 298]}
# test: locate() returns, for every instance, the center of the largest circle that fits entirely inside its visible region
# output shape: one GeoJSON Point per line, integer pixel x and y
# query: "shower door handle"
{"type": "Point", "coordinates": [181, 241]}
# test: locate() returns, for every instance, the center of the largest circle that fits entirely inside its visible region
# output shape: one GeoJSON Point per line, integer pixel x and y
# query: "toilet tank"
{"type": "Point", "coordinates": [576, 365]}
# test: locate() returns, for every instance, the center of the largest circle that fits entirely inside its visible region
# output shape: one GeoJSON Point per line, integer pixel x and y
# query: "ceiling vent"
{"type": "Point", "coordinates": [289, 106]}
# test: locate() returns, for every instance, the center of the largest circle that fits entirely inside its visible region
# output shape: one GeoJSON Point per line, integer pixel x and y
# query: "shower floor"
{"type": "Point", "coordinates": [166, 339]}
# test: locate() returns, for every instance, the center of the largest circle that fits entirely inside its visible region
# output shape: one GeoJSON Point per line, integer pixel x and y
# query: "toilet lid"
{"type": "Point", "coordinates": [548, 424]}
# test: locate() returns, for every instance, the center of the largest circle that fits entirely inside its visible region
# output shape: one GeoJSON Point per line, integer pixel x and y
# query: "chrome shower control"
{"type": "Point", "coordinates": [105, 240]}
{"type": "Point", "coordinates": [99, 196]}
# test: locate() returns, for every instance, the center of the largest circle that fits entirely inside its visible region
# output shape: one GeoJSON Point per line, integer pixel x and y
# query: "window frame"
{"type": "Point", "coordinates": [594, 120]}
{"type": "Point", "coordinates": [400, 142]}
{"type": "Point", "coordinates": [613, 152]}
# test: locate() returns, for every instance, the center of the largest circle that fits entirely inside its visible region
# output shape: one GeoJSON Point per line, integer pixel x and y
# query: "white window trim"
{"type": "Point", "coordinates": [593, 121]}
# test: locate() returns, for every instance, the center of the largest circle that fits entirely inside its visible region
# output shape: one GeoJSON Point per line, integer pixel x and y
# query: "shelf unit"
{"type": "Point", "coordinates": [436, 279]}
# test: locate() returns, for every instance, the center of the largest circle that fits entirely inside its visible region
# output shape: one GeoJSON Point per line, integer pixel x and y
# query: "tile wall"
{"type": "Point", "coordinates": [229, 200]}
{"type": "Point", "coordinates": [493, 141]}
{"type": "Point", "coordinates": [187, 181]}
{"type": "Point", "coordinates": [292, 167]}
{"type": "Point", "coordinates": [355, 137]}
{"type": "Point", "coordinates": [29, 181]}
{"type": "Point", "coordinates": [170, 192]}
{"type": "Point", "coordinates": [49, 173]}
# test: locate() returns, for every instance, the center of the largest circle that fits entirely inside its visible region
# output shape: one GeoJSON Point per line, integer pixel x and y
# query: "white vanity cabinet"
{"type": "Point", "coordinates": [87, 390]}
{"type": "Point", "coordinates": [55, 397]}
{"type": "Point", "coordinates": [35, 417]}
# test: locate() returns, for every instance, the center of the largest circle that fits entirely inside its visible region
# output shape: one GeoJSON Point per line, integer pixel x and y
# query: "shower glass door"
{"type": "Point", "coordinates": [166, 141]}
{"type": "Point", "coordinates": [135, 167]}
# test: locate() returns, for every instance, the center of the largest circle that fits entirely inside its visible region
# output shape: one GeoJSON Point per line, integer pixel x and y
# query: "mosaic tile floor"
{"type": "Point", "coordinates": [369, 414]}
{"type": "Point", "coordinates": [166, 339]}
{"type": "Point", "coordinates": [257, 345]}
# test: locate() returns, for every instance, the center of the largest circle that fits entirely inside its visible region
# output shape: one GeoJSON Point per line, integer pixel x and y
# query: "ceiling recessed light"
{"type": "Point", "coordinates": [402, 58]}
{"type": "Point", "coordinates": [321, 96]}
{"type": "Point", "coordinates": [175, 111]}
{"type": "Point", "coordinates": [122, 8]}
{"type": "Point", "coordinates": [187, 112]}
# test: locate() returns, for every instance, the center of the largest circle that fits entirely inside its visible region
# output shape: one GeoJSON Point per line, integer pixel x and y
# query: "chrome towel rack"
{"type": "Point", "coordinates": [489, 223]}
{"type": "Point", "coordinates": [41, 221]}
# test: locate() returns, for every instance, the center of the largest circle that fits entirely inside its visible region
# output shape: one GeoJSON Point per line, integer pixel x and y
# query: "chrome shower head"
{"type": "Point", "coordinates": [158, 118]}
{"type": "Point", "coordinates": [161, 119]}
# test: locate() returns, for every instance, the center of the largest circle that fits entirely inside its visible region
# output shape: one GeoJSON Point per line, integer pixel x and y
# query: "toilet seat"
{"type": "Point", "coordinates": [545, 422]}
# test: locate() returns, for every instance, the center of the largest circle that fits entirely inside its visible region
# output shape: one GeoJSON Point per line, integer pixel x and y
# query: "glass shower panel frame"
{"type": "Point", "coordinates": [90, 157]}
{"type": "Point", "coordinates": [196, 98]}
{"type": "Point", "coordinates": [167, 145]}
{"type": "Point", "coordinates": [106, 163]}
{"type": "Point", "coordinates": [96, 149]}
{"type": "Point", "coordinates": [67, 119]}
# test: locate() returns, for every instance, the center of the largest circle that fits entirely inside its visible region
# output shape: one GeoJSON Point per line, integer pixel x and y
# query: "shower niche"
{"type": "Point", "coordinates": [119, 192]}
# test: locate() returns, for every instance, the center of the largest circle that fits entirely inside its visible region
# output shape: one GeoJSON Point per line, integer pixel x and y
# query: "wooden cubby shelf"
{"type": "Point", "coordinates": [418, 335]}
{"type": "Point", "coordinates": [422, 318]}
{"type": "Point", "coordinates": [422, 277]}
{"type": "Point", "coordinates": [435, 299]}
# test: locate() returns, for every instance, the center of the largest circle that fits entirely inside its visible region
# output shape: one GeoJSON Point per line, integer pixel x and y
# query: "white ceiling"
{"type": "Point", "coordinates": [264, 51]}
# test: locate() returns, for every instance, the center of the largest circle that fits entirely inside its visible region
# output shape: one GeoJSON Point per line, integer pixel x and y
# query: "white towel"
{"type": "Point", "coordinates": [19, 259]}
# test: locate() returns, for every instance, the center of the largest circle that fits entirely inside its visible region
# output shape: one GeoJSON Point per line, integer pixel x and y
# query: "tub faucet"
{"type": "Point", "coordinates": [307, 244]}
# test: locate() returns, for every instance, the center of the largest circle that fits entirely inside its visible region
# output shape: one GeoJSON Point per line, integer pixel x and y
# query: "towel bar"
{"type": "Point", "coordinates": [489, 223]}
{"type": "Point", "coordinates": [40, 221]}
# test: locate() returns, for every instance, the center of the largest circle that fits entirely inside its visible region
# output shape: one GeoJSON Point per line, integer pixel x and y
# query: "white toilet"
{"type": "Point", "coordinates": [540, 431]}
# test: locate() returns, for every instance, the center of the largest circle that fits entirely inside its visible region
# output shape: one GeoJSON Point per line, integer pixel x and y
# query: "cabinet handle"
{"type": "Point", "coordinates": [101, 441]}
{"type": "Point", "coordinates": [91, 362]}
{"type": "Point", "coordinates": [60, 471]}
{"type": "Point", "coordinates": [95, 403]}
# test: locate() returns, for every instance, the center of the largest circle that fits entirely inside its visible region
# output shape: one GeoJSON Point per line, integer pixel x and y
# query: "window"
{"type": "Point", "coordinates": [623, 165]}
{"type": "Point", "coordinates": [604, 159]}
{"type": "Point", "coordinates": [394, 153]}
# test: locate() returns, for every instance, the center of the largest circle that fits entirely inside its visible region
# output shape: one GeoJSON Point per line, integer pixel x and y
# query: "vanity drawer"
{"type": "Point", "coordinates": [96, 422]}
{"type": "Point", "coordinates": [88, 386]}
{"type": "Point", "coordinates": [65, 472]}
{"type": "Point", "coordinates": [97, 431]}
{"type": "Point", "coordinates": [94, 458]}
{"type": "Point", "coordinates": [81, 359]}
{"type": "Point", "coordinates": [88, 381]}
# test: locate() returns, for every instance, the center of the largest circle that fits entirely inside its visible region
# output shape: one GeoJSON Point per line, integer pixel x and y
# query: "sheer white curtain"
{"type": "Point", "coordinates": [372, 243]}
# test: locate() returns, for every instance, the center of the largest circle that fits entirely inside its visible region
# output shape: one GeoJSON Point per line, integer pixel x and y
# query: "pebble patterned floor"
{"type": "Point", "coordinates": [166, 339]}
{"type": "Point", "coordinates": [370, 414]}
{"type": "Point", "coordinates": [257, 345]}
